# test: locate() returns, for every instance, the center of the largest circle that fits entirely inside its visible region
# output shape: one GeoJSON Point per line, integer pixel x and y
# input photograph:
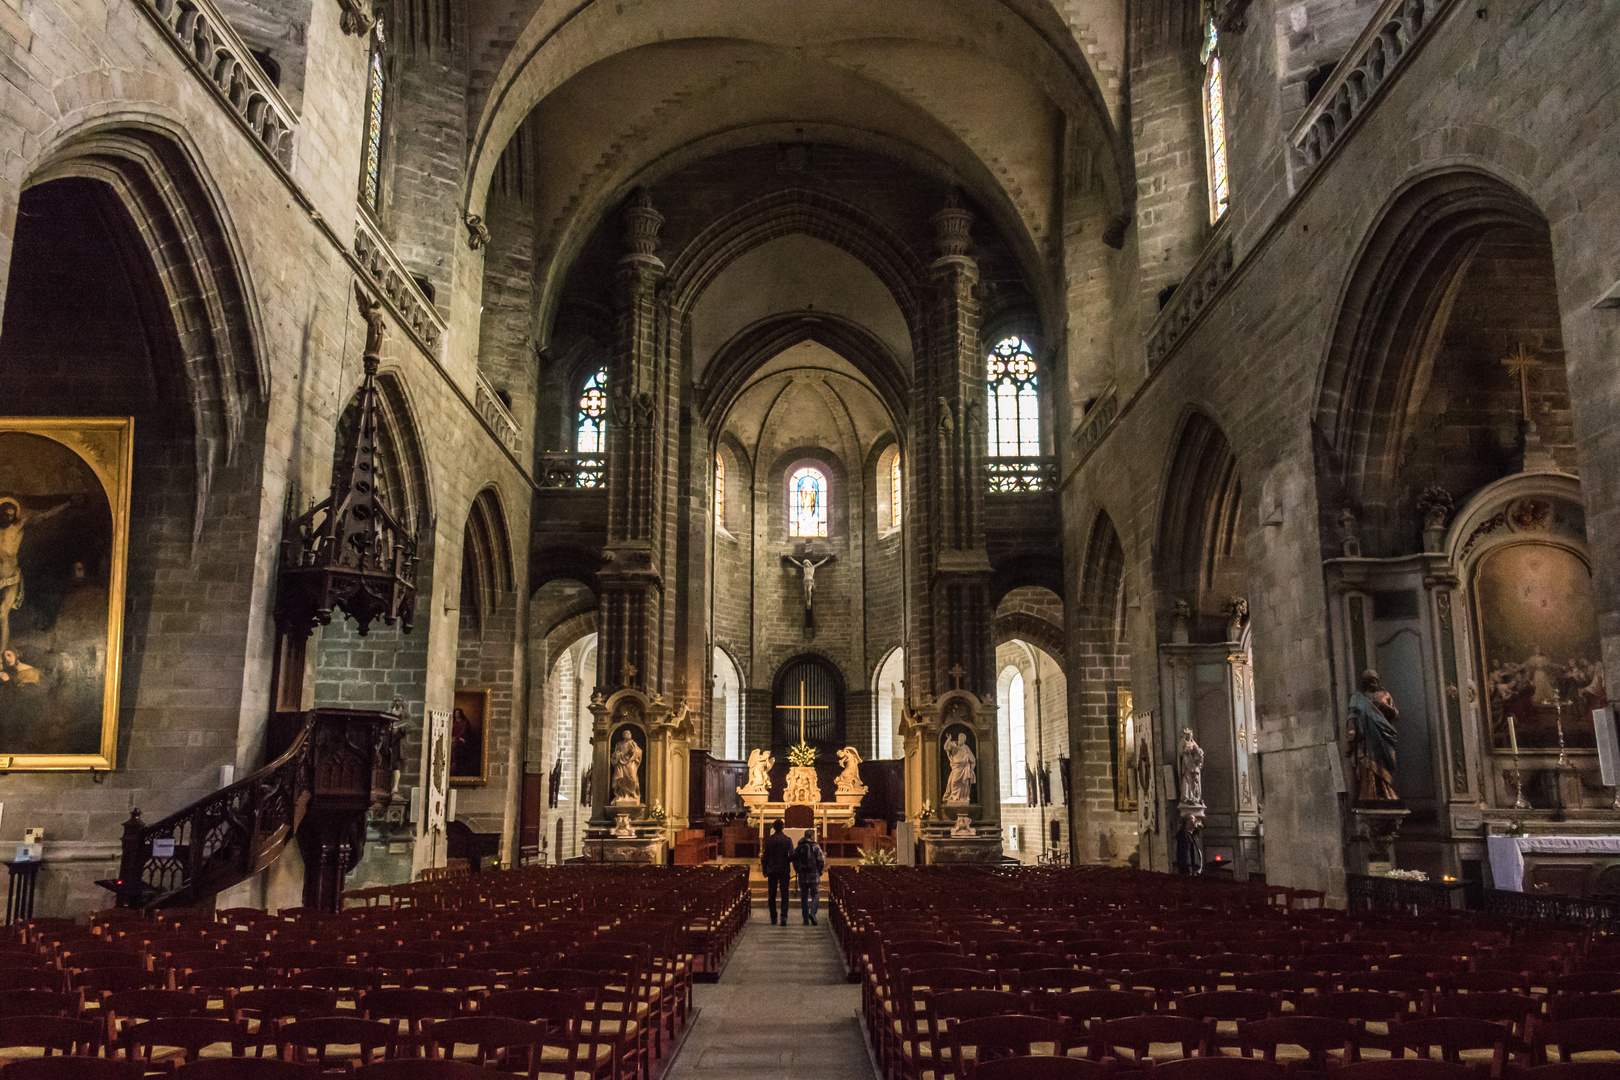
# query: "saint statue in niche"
{"type": "Point", "coordinates": [964, 769]}
{"type": "Point", "coordinates": [1190, 767]}
{"type": "Point", "coordinates": [626, 768]}
{"type": "Point", "coordinates": [1372, 739]}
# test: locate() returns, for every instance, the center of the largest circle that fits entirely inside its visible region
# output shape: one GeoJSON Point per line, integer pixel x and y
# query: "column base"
{"type": "Point", "coordinates": [647, 845]}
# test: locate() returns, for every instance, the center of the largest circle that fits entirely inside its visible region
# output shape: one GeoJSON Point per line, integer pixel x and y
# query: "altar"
{"type": "Point", "coordinates": [1575, 865]}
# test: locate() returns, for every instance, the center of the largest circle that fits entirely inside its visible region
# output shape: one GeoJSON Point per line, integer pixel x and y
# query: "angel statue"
{"type": "Point", "coordinates": [964, 770]}
{"type": "Point", "coordinates": [760, 763]}
{"type": "Point", "coordinates": [849, 781]}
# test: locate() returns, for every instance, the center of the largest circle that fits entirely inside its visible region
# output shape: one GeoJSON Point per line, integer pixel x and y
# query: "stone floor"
{"type": "Point", "coordinates": [781, 1011]}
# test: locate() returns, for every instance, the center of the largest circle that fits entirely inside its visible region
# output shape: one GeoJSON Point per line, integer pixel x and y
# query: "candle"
{"type": "Point", "coordinates": [1513, 737]}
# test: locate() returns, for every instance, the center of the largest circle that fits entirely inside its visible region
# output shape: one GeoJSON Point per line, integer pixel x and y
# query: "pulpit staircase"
{"type": "Point", "coordinates": [336, 764]}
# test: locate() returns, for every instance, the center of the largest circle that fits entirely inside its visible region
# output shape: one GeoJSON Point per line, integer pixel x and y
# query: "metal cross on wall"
{"type": "Point", "coordinates": [802, 708]}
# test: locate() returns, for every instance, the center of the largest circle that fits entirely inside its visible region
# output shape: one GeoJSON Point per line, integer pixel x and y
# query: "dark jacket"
{"type": "Point", "coordinates": [808, 858]}
{"type": "Point", "coordinates": [777, 855]}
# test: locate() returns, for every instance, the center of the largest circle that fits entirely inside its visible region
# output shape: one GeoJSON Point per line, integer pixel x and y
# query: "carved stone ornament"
{"type": "Point", "coordinates": [802, 786]}
{"type": "Point", "coordinates": [622, 827]}
{"type": "Point", "coordinates": [1350, 532]}
{"type": "Point", "coordinates": [357, 18]}
{"type": "Point", "coordinates": [963, 826]}
{"type": "Point", "coordinates": [849, 781]}
{"type": "Point", "coordinates": [477, 232]}
{"type": "Point", "coordinates": [641, 225]}
{"type": "Point", "coordinates": [760, 763]}
{"type": "Point", "coordinates": [1190, 771]}
{"type": "Point", "coordinates": [952, 226]}
{"type": "Point", "coordinates": [1435, 506]}
{"type": "Point", "coordinates": [1237, 612]}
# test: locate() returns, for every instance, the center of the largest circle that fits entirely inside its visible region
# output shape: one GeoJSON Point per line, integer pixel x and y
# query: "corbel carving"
{"type": "Point", "coordinates": [357, 19]}
{"type": "Point", "coordinates": [477, 232]}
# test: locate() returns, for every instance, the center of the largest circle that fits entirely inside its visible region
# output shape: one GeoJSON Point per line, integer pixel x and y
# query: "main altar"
{"type": "Point", "coordinates": [802, 786]}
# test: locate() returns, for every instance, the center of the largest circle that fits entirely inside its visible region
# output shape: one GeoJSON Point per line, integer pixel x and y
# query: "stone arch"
{"type": "Point", "coordinates": [1199, 551]}
{"type": "Point", "coordinates": [728, 373]}
{"type": "Point", "coordinates": [486, 557]}
{"type": "Point", "coordinates": [1388, 348]}
{"type": "Point", "coordinates": [1032, 613]}
{"type": "Point", "coordinates": [160, 181]}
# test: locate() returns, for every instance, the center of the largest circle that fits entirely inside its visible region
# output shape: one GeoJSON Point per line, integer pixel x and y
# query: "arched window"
{"type": "Point", "coordinates": [719, 491]}
{"type": "Point", "coordinates": [894, 492]}
{"type": "Point", "coordinates": [592, 416]}
{"type": "Point", "coordinates": [1014, 406]}
{"type": "Point", "coordinates": [1010, 713]}
{"type": "Point", "coordinates": [807, 503]}
{"type": "Point", "coordinates": [371, 157]}
{"type": "Point", "coordinates": [1215, 123]}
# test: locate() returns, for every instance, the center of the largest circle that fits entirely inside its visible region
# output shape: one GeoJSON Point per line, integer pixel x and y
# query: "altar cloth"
{"type": "Point", "coordinates": [1507, 853]}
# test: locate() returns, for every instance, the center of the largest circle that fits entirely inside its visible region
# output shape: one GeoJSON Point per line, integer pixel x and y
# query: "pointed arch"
{"type": "Point", "coordinates": [159, 179]}
{"type": "Point", "coordinates": [486, 556]}
{"type": "Point", "coordinates": [405, 477]}
{"type": "Point", "coordinates": [1199, 550]}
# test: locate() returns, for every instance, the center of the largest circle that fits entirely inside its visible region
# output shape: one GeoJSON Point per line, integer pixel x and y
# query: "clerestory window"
{"type": "Point", "coordinates": [592, 415]}
{"type": "Point", "coordinates": [1215, 123]}
{"type": "Point", "coordinates": [807, 503]}
{"type": "Point", "coordinates": [371, 161]}
{"type": "Point", "coordinates": [1014, 401]}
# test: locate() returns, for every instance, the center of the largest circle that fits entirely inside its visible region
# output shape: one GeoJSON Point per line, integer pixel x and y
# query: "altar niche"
{"type": "Point", "coordinates": [807, 699]}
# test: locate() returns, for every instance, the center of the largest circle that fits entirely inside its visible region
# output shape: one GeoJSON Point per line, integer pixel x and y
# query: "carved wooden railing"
{"type": "Point", "coordinates": [340, 763]}
{"type": "Point", "coordinates": [1016, 475]}
{"type": "Point", "coordinates": [1378, 55]}
{"type": "Point", "coordinates": [390, 278]}
{"type": "Point", "coordinates": [573, 470]}
{"type": "Point", "coordinates": [496, 414]}
{"type": "Point", "coordinates": [213, 50]}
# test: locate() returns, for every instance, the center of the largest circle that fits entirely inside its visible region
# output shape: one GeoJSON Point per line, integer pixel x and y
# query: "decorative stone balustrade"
{"type": "Point", "coordinates": [1019, 475]}
{"type": "Point", "coordinates": [395, 284]}
{"type": "Point", "coordinates": [214, 51]}
{"type": "Point", "coordinates": [496, 414]}
{"type": "Point", "coordinates": [1379, 54]}
{"type": "Point", "coordinates": [573, 470]}
{"type": "Point", "coordinates": [1096, 423]}
{"type": "Point", "coordinates": [1202, 282]}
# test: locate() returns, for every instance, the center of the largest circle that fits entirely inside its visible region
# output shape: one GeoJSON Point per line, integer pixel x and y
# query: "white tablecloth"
{"type": "Point", "coordinates": [1507, 853]}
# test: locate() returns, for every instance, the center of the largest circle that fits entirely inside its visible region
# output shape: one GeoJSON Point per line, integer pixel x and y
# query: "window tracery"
{"type": "Point", "coordinates": [591, 418]}
{"type": "Point", "coordinates": [371, 179]}
{"type": "Point", "coordinates": [719, 491]}
{"type": "Point", "coordinates": [1014, 400]}
{"type": "Point", "coordinates": [894, 492]}
{"type": "Point", "coordinates": [807, 503]}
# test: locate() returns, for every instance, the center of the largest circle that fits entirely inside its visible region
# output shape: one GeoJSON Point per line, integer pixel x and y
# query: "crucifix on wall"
{"type": "Point", "coordinates": [807, 569]}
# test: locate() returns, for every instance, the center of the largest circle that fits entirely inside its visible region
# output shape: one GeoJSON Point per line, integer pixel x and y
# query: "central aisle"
{"type": "Point", "coordinates": [781, 1010]}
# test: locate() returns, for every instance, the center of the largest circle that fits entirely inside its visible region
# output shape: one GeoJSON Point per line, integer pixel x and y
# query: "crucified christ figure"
{"type": "Point", "coordinates": [13, 519]}
{"type": "Point", "coordinates": [808, 569]}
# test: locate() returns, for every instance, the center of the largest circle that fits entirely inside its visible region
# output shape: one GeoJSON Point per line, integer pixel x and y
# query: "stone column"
{"type": "Point", "coordinates": [632, 577]}
{"type": "Point", "coordinates": [957, 660]}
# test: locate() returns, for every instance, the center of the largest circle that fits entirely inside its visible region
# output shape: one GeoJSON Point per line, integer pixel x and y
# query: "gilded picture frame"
{"type": "Point", "coordinates": [64, 548]}
{"type": "Point", "coordinates": [469, 738]}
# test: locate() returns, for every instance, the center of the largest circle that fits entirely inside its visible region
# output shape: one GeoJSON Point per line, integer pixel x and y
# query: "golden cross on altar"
{"type": "Point", "coordinates": [956, 674]}
{"type": "Point", "coordinates": [802, 708]}
{"type": "Point", "coordinates": [1522, 365]}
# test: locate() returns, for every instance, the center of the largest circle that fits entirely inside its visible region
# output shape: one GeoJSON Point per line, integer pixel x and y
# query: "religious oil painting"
{"type": "Point", "coordinates": [64, 537]}
{"type": "Point", "coordinates": [469, 739]}
{"type": "Point", "coordinates": [1539, 635]}
{"type": "Point", "coordinates": [1124, 749]}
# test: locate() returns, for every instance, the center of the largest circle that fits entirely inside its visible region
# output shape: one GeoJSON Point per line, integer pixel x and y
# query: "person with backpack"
{"type": "Point", "coordinates": [776, 863]}
{"type": "Point", "coordinates": [809, 860]}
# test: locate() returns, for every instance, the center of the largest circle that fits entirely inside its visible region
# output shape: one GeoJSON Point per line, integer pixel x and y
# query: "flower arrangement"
{"type": "Point", "coordinates": [656, 814]}
{"type": "Point", "coordinates": [1515, 827]}
{"type": "Point", "coordinates": [926, 814]}
{"type": "Point", "coordinates": [876, 857]}
{"type": "Point", "coordinates": [802, 756]}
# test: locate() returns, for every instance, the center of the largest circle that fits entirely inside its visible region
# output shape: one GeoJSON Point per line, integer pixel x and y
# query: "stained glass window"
{"type": "Point", "coordinates": [1215, 123]}
{"type": "Point", "coordinates": [894, 492]}
{"type": "Point", "coordinates": [720, 491]}
{"type": "Point", "coordinates": [807, 503]}
{"type": "Point", "coordinates": [1015, 406]}
{"type": "Point", "coordinates": [371, 182]}
{"type": "Point", "coordinates": [593, 415]}
{"type": "Point", "coordinates": [1010, 727]}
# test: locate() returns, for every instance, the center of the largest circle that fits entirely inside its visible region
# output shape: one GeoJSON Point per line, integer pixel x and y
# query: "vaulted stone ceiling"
{"type": "Point", "coordinates": [988, 94]}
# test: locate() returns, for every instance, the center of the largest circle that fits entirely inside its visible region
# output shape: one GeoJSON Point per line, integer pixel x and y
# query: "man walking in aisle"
{"type": "Point", "coordinates": [808, 860]}
{"type": "Point", "coordinates": [775, 862]}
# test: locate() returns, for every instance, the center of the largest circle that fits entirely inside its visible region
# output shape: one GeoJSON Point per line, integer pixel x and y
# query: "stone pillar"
{"type": "Point", "coordinates": [632, 578]}
{"type": "Point", "coordinates": [956, 666]}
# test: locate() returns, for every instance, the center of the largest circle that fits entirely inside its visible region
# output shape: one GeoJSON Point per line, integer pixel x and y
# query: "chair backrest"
{"type": "Point", "coordinates": [490, 1035]}
{"type": "Point", "coordinates": [1361, 1005]}
{"type": "Point", "coordinates": [283, 1003]}
{"type": "Point", "coordinates": [1061, 980]}
{"type": "Point", "coordinates": [1139, 1033]}
{"type": "Point", "coordinates": [244, 1068]}
{"type": "Point", "coordinates": [1226, 1005]}
{"type": "Point", "coordinates": [1588, 982]}
{"type": "Point", "coordinates": [1572, 1070]}
{"type": "Point", "coordinates": [61, 1034]}
{"type": "Point", "coordinates": [188, 1033]}
{"type": "Point", "coordinates": [1388, 981]}
{"type": "Point", "coordinates": [1496, 1005]}
{"type": "Point", "coordinates": [39, 1003]}
{"type": "Point", "coordinates": [1405, 1069]}
{"type": "Point", "coordinates": [1452, 1034]}
{"type": "Point", "coordinates": [1561, 1007]}
{"type": "Point", "coordinates": [421, 1069]}
{"type": "Point", "coordinates": [994, 1037]}
{"type": "Point", "coordinates": [74, 1068]}
{"type": "Point", "coordinates": [1041, 1067]}
{"type": "Point", "coordinates": [1084, 1006]}
{"type": "Point", "coordinates": [318, 1033]}
{"type": "Point", "coordinates": [1316, 1035]}
{"type": "Point", "coordinates": [1584, 1036]}
{"type": "Point", "coordinates": [1220, 1068]}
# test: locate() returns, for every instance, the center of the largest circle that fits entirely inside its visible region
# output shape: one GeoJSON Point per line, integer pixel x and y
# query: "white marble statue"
{"type": "Point", "coordinates": [849, 781]}
{"type": "Point", "coordinates": [626, 769]}
{"type": "Point", "coordinates": [964, 770]}
{"type": "Point", "coordinates": [1190, 766]}
{"type": "Point", "coordinates": [760, 763]}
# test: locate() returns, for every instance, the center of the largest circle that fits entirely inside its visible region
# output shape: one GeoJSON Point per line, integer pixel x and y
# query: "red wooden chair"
{"type": "Point", "coordinates": [1561, 1007]}
{"type": "Point", "coordinates": [31, 978]}
{"type": "Point", "coordinates": [73, 1068]}
{"type": "Point", "coordinates": [244, 1069]}
{"type": "Point", "coordinates": [39, 1003]}
{"type": "Point", "coordinates": [989, 1037]}
{"type": "Point", "coordinates": [1586, 982]}
{"type": "Point", "coordinates": [1584, 1036]}
{"type": "Point", "coordinates": [1405, 1069]}
{"type": "Point", "coordinates": [185, 1037]}
{"type": "Point", "coordinates": [50, 1034]}
{"type": "Point", "coordinates": [320, 1033]}
{"type": "Point", "coordinates": [597, 1044]}
{"type": "Point", "coordinates": [1139, 1034]}
{"type": "Point", "coordinates": [418, 1069]}
{"type": "Point", "coordinates": [1220, 1068]}
{"type": "Point", "coordinates": [1498, 1006]}
{"type": "Point", "coordinates": [1318, 1036]}
{"type": "Point", "coordinates": [1453, 1035]}
{"type": "Point", "coordinates": [407, 1009]}
{"type": "Point", "coordinates": [1061, 980]}
{"type": "Point", "coordinates": [494, 1038]}
{"type": "Point", "coordinates": [1413, 984]}
{"type": "Point", "coordinates": [1042, 1067]}
{"type": "Point", "coordinates": [262, 1012]}
{"type": "Point", "coordinates": [1573, 1070]}
{"type": "Point", "coordinates": [929, 1042]}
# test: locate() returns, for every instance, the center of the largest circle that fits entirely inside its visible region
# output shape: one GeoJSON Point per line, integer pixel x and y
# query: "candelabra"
{"type": "Point", "coordinates": [1518, 781]}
